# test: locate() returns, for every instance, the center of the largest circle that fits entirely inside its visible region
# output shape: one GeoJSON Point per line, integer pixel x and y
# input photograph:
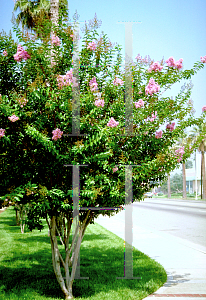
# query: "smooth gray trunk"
{"type": "Point", "coordinates": [184, 181]}
{"type": "Point", "coordinates": [203, 176]}
{"type": "Point", "coordinates": [71, 252]}
{"type": "Point", "coordinates": [168, 186]}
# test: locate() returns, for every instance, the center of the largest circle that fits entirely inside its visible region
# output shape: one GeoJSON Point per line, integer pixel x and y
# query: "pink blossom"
{"type": "Point", "coordinates": [112, 123]}
{"type": "Point", "coordinates": [115, 169]}
{"type": "Point", "coordinates": [99, 102]}
{"type": "Point", "coordinates": [92, 46]}
{"type": "Point", "coordinates": [171, 126]}
{"type": "Point", "coordinates": [118, 81]}
{"type": "Point", "coordinates": [158, 134]}
{"type": "Point", "coordinates": [204, 108]}
{"type": "Point", "coordinates": [178, 63]}
{"type": "Point", "coordinates": [23, 102]}
{"type": "Point", "coordinates": [138, 57]}
{"type": "Point", "coordinates": [171, 63]}
{"type": "Point", "coordinates": [203, 59]}
{"type": "Point", "coordinates": [155, 67]}
{"type": "Point", "coordinates": [66, 80]}
{"type": "Point", "coordinates": [139, 103]}
{"type": "Point", "coordinates": [2, 132]}
{"type": "Point", "coordinates": [55, 40]}
{"type": "Point", "coordinates": [153, 117]}
{"type": "Point", "coordinates": [5, 53]}
{"type": "Point", "coordinates": [21, 54]}
{"type": "Point", "coordinates": [93, 84]}
{"type": "Point", "coordinates": [57, 133]}
{"type": "Point", "coordinates": [143, 60]}
{"type": "Point", "coordinates": [152, 87]}
{"type": "Point", "coordinates": [74, 81]}
{"type": "Point", "coordinates": [13, 118]}
{"type": "Point", "coordinates": [179, 153]}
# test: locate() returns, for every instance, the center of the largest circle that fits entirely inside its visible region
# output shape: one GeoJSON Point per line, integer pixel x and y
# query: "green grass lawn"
{"type": "Point", "coordinates": [179, 196]}
{"type": "Point", "coordinates": [26, 270]}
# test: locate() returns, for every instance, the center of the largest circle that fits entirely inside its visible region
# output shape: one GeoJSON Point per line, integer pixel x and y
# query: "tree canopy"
{"type": "Point", "coordinates": [37, 109]}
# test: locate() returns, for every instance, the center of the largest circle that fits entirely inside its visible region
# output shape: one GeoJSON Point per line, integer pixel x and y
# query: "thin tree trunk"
{"type": "Point", "coordinates": [74, 249]}
{"type": "Point", "coordinates": [56, 259]}
{"type": "Point", "coordinates": [184, 181]}
{"type": "Point", "coordinates": [168, 186]}
{"type": "Point", "coordinates": [203, 176]}
{"type": "Point", "coordinates": [17, 218]}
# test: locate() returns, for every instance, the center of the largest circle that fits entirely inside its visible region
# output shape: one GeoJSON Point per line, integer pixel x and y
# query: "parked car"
{"type": "Point", "coordinates": [148, 195]}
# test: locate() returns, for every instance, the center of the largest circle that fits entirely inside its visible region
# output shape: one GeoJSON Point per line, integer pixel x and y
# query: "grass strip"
{"type": "Point", "coordinates": [26, 271]}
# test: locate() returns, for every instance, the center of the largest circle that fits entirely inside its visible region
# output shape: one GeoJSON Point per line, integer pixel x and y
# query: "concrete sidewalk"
{"type": "Point", "coordinates": [184, 261]}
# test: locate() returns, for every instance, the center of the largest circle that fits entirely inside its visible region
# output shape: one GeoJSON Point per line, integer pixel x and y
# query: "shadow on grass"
{"type": "Point", "coordinates": [101, 259]}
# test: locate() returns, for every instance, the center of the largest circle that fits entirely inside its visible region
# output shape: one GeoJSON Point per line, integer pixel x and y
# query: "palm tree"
{"type": "Point", "coordinates": [31, 12]}
{"type": "Point", "coordinates": [196, 131]}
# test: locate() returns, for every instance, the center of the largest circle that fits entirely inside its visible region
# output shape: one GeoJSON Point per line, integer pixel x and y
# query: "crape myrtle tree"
{"type": "Point", "coordinates": [36, 120]}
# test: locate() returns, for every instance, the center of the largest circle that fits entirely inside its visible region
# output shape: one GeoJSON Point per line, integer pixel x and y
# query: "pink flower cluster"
{"type": "Point", "coordinates": [112, 123]}
{"type": "Point", "coordinates": [171, 126]}
{"type": "Point", "coordinates": [57, 133]}
{"type": "Point", "coordinates": [155, 67]}
{"type": "Point", "coordinates": [171, 63]}
{"type": "Point", "coordinates": [139, 103]}
{"type": "Point", "coordinates": [118, 81]}
{"type": "Point", "coordinates": [5, 53]}
{"type": "Point", "coordinates": [158, 134]}
{"type": "Point", "coordinates": [92, 46]}
{"type": "Point", "coordinates": [13, 118]}
{"type": "Point", "coordinates": [23, 102]}
{"type": "Point", "coordinates": [153, 117]}
{"type": "Point", "coordinates": [203, 59]}
{"type": "Point", "coordinates": [55, 40]}
{"type": "Point", "coordinates": [152, 87]}
{"type": "Point", "coordinates": [21, 54]}
{"type": "Point", "coordinates": [179, 153]}
{"type": "Point", "coordinates": [99, 102]}
{"type": "Point", "coordinates": [2, 132]}
{"type": "Point", "coordinates": [143, 60]}
{"type": "Point", "coordinates": [204, 108]}
{"type": "Point", "coordinates": [93, 84]}
{"type": "Point", "coordinates": [65, 80]}
{"type": "Point", "coordinates": [115, 169]}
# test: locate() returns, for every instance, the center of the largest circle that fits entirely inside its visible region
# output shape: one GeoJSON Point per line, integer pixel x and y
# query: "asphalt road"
{"type": "Point", "coordinates": [182, 218]}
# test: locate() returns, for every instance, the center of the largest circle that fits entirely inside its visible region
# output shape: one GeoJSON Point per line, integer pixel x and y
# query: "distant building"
{"type": "Point", "coordinates": [191, 177]}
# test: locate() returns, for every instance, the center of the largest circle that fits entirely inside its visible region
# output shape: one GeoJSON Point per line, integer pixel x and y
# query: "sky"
{"type": "Point", "coordinates": [168, 28]}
